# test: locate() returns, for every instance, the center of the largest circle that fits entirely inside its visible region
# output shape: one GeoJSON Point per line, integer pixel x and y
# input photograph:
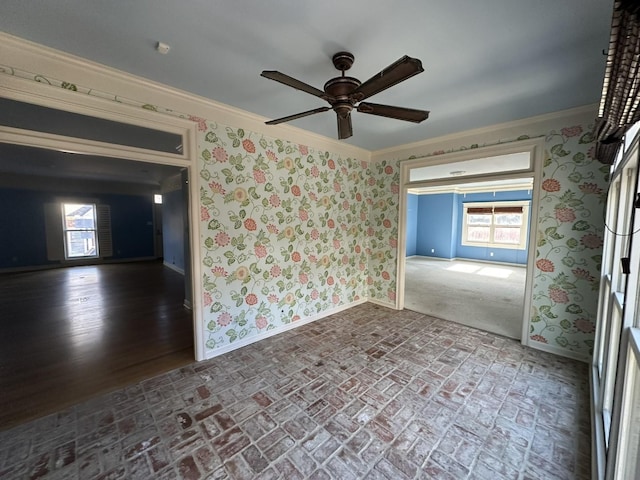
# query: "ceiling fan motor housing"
{"type": "Point", "coordinates": [340, 89]}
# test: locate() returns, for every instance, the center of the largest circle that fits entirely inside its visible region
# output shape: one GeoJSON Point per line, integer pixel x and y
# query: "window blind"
{"type": "Point", "coordinates": [507, 210]}
{"type": "Point", "coordinates": [489, 210]}
{"type": "Point", "coordinates": [620, 100]}
{"type": "Point", "coordinates": [480, 211]}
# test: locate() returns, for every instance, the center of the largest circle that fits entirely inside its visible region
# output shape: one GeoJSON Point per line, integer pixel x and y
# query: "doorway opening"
{"type": "Point", "coordinates": [115, 314]}
{"type": "Point", "coordinates": [467, 227]}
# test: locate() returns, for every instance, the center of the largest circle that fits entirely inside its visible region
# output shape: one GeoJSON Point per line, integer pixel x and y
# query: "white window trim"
{"type": "Point", "coordinates": [524, 228]}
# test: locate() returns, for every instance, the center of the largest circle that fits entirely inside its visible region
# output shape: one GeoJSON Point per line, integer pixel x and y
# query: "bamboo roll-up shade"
{"type": "Point", "coordinates": [480, 211]}
{"type": "Point", "coordinates": [489, 210]}
{"type": "Point", "coordinates": [507, 210]}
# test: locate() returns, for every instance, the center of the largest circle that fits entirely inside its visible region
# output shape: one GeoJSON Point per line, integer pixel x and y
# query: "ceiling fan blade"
{"type": "Point", "coordinates": [345, 129]}
{"type": "Point", "coordinates": [399, 113]}
{"type": "Point", "coordinates": [297, 115]}
{"type": "Point", "coordinates": [292, 82]}
{"type": "Point", "coordinates": [395, 73]}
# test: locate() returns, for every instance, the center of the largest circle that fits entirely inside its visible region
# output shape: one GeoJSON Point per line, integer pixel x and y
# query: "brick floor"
{"type": "Point", "coordinates": [369, 393]}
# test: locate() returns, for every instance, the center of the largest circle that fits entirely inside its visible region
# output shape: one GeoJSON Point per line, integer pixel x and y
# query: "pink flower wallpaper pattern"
{"type": "Point", "coordinates": [569, 244]}
{"type": "Point", "coordinates": [284, 232]}
{"type": "Point", "coordinates": [383, 195]}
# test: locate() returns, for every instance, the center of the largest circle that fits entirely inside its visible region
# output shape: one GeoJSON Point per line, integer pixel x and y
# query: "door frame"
{"type": "Point", "coordinates": [28, 91]}
{"type": "Point", "coordinates": [535, 148]}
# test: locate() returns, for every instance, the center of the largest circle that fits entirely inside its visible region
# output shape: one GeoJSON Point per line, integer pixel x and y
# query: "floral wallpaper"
{"type": "Point", "coordinates": [569, 245]}
{"type": "Point", "coordinates": [283, 231]}
{"type": "Point", "coordinates": [383, 196]}
{"type": "Point", "coordinates": [289, 232]}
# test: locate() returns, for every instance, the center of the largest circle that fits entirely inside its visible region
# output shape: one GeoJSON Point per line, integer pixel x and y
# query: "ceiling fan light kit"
{"type": "Point", "coordinates": [343, 93]}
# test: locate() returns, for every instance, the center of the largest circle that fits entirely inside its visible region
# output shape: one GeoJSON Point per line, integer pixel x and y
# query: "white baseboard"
{"type": "Point", "coordinates": [563, 352]}
{"type": "Point", "coordinates": [290, 326]}
{"type": "Point", "coordinates": [174, 268]}
{"type": "Point", "coordinates": [464, 259]}
{"type": "Point", "coordinates": [429, 257]}
{"type": "Point", "coordinates": [490, 262]}
{"type": "Point", "coordinates": [382, 303]}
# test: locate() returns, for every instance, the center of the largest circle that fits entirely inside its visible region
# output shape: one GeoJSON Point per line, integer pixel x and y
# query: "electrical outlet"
{"type": "Point", "coordinates": [433, 250]}
{"type": "Point", "coordinates": [491, 254]}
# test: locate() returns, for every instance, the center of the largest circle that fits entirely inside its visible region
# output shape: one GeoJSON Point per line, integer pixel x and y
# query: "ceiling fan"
{"type": "Point", "coordinates": [343, 93]}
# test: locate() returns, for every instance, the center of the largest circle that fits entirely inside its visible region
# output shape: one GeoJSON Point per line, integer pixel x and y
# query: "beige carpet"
{"type": "Point", "coordinates": [481, 295]}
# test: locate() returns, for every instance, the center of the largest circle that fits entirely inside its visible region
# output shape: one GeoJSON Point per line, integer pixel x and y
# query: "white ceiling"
{"type": "Point", "coordinates": [486, 62]}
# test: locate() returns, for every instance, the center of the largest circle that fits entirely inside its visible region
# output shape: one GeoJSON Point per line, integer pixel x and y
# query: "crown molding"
{"type": "Point", "coordinates": [35, 58]}
{"type": "Point", "coordinates": [397, 151]}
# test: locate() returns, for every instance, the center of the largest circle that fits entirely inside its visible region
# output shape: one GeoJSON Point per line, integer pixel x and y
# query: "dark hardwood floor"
{"type": "Point", "coordinates": [72, 333]}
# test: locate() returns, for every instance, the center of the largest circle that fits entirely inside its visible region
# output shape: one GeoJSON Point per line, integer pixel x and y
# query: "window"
{"type": "Point", "coordinates": [628, 461]}
{"type": "Point", "coordinates": [616, 360]}
{"type": "Point", "coordinates": [79, 228]}
{"type": "Point", "coordinates": [496, 224]}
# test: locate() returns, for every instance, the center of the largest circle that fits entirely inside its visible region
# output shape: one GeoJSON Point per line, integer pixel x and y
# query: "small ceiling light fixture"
{"type": "Point", "coordinates": [163, 48]}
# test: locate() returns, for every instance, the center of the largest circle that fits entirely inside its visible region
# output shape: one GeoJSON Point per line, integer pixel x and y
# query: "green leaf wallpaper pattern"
{"type": "Point", "coordinates": [569, 243]}
{"type": "Point", "coordinates": [570, 228]}
{"type": "Point", "coordinates": [383, 197]}
{"type": "Point", "coordinates": [283, 230]}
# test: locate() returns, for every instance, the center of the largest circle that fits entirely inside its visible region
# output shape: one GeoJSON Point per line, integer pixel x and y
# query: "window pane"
{"type": "Point", "coordinates": [509, 219]}
{"type": "Point", "coordinates": [81, 243]}
{"type": "Point", "coordinates": [631, 410]}
{"type": "Point", "coordinates": [478, 219]}
{"type": "Point", "coordinates": [78, 216]}
{"type": "Point", "coordinates": [507, 235]}
{"type": "Point", "coordinates": [478, 234]}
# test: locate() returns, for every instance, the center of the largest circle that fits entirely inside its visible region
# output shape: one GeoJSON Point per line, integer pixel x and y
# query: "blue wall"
{"type": "Point", "coordinates": [437, 215]}
{"type": "Point", "coordinates": [412, 224]}
{"type": "Point", "coordinates": [438, 226]}
{"type": "Point", "coordinates": [131, 225]}
{"type": "Point", "coordinates": [173, 228]}
{"type": "Point", "coordinates": [22, 230]}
